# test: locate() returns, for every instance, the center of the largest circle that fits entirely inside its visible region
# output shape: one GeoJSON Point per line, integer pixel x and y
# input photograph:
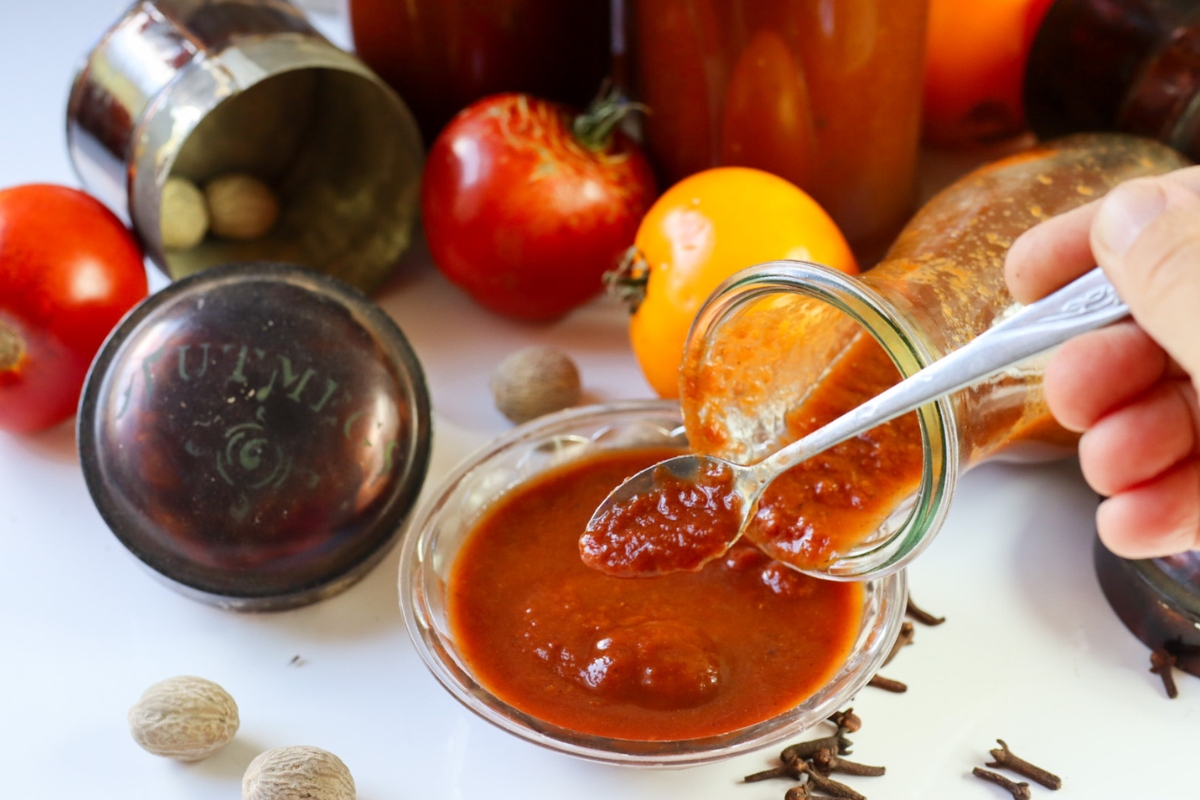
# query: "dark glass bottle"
{"type": "Point", "coordinates": [826, 95]}
{"type": "Point", "coordinates": [442, 55]}
{"type": "Point", "coordinates": [1123, 65]}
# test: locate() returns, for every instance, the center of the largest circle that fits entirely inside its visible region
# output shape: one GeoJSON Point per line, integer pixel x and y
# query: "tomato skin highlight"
{"type": "Point", "coordinates": [521, 215]}
{"type": "Point", "coordinates": [69, 270]}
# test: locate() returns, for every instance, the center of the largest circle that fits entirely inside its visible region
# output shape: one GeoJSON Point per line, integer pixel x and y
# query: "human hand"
{"type": "Point", "coordinates": [1130, 388]}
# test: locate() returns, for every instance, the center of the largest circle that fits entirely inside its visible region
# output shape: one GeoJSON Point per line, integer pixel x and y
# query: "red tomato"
{"type": "Point", "coordinates": [69, 270]}
{"type": "Point", "coordinates": [522, 214]}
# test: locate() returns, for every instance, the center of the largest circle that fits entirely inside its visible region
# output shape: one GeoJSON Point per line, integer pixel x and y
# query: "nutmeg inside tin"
{"type": "Point", "coordinates": [197, 89]}
{"type": "Point", "coordinates": [341, 157]}
{"type": "Point", "coordinates": [256, 434]}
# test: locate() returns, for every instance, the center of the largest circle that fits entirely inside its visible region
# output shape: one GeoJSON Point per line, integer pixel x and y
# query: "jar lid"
{"type": "Point", "coordinates": [1158, 599]}
{"type": "Point", "coordinates": [256, 434]}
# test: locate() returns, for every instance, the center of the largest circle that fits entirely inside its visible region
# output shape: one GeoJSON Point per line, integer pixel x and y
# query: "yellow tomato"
{"type": "Point", "coordinates": [704, 229]}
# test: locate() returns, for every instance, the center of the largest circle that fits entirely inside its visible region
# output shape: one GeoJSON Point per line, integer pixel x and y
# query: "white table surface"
{"type": "Point", "coordinates": [1030, 653]}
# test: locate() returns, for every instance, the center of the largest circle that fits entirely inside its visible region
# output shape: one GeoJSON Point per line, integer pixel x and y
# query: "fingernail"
{"type": "Point", "coordinates": [1125, 213]}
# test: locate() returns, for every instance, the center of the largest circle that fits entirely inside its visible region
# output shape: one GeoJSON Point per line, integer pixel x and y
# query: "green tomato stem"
{"type": "Point", "coordinates": [627, 282]}
{"type": "Point", "coordinates": [594, 128]}
{"type": "Point", "coordinates": [12, 347]}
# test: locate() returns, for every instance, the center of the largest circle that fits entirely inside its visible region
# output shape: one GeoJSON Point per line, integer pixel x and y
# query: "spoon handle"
{"type": "Point", "coordinates": [1086, 303]}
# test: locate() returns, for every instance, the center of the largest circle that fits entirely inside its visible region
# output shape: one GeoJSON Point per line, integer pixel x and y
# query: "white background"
{"type": "Point", "coordinates": [1031, 652]}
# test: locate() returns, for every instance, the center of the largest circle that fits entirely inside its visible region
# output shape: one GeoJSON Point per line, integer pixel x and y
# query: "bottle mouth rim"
{"type": "Point", "coordinates": [912, 527]}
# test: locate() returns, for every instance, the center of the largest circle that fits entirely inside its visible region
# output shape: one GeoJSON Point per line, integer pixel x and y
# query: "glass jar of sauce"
{"type": "Point", "coordinates": [826, 95]}
{"type": "Point", "coordinates": [1118, 65]}
{"type": "Point", "coordinates": [786, 347]}
{"type": "Point", "coordinates": [442, 55]}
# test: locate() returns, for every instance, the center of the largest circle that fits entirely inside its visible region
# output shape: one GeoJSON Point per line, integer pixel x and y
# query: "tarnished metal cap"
{"type": "Point", "coordinates": [256, 434]}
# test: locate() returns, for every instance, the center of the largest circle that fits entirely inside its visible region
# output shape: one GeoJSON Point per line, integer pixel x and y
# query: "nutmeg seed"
{"type": "Point", "coordinates": [183, 214]}
{"type": "Point", "coordinates": [535, 381]}
{"type": "Point", "coordinates": [184, 718]}
{"type": "Point", "coordinates": [297, 773]}
{"type": "Point", "coordinates": [240, 206]}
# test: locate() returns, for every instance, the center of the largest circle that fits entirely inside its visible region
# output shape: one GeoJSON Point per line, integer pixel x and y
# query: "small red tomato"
{"type": "Point", "coordinates": [69, 270]}
{"type": "Point", "coordinates": [526, 206]}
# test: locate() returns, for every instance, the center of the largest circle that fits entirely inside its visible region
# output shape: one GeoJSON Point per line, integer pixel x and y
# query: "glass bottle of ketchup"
{"type": "Point", "coordinates": [824, 94]}
{"type": "Point", "coordinates": [785, 347]}
{"type": "Point", "coordinates": [442, 55]}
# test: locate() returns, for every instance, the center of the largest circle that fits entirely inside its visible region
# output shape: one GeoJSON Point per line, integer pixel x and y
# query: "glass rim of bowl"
{"type": "Point", "coordinates": [573, 433]}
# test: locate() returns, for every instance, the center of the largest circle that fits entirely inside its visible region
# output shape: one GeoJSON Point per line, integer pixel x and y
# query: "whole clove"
{"type": "Point", "coordinates": [1003, 757]}
{"type": "Point", "coordinates": [923, 617]}
{"type": "Point", "coordinates": [827, 761]}
{"type": "Point", "coordinates": [888, 684]}
{"type": "Point", "coordinates": [812, 779]}
{"type": "Point", "coordinates": [794, 757]}
{"type": "Point", "coordinates": [904, 639]}
{"type": "Point", "coordinates": [1162, 662]}
{"type": "Point", "coordinates": [810, 763]}
{"type": "Point", "coordinates": [801, 791]}
{"type": "Point", "coordinates": [833, 788]}
{"type": "Point", "coordinates": [788, 769]}
{"type": "Point", "coordinates": [1019, 791]}
{"type": "Point", "coordinates": [829, 786]}
{"type": "Point", "coordinates": [801, 751]}
{"type": "Point", "coordinates": [846, 720]}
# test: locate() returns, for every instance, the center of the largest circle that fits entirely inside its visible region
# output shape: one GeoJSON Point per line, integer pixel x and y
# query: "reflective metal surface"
{"type": "Point", "coordinates": [1158, 599]}
{"type": "Point", "coordinates": [256, 435]}
{"type": "Point", "coordinates": [198, 88]}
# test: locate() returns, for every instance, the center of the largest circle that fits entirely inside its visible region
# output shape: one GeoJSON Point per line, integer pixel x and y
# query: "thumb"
{"type": "Point", "coordinates": [1146, 236]}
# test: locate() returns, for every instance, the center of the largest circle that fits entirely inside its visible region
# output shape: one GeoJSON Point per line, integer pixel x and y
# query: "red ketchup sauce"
{"type": "Point", "coordinates": [678, 656]}
{"type": "Point", "coordinates": [679, 525]}
{"type": "Point", "coordinates": [829, 504]}
{"type": "Point", "coordinates": [814, 512]}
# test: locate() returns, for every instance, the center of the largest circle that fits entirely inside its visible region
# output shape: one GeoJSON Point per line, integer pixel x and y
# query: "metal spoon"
{"type": "Point", "coordinates": [1087, 303]}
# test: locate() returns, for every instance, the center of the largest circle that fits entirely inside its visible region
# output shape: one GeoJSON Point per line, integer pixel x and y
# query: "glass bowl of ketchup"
{"type": "Point", "coordinates": [665, 671]}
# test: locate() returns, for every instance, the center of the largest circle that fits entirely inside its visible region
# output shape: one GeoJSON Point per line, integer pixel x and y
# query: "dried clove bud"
{"type": "Point", "coordinates": [923, 617]}
{"type": "Point", "coordinates": [1019, 791]}
{"type": "Point", "coordinates": [802, 791]}
{"type": "Point", "coordinates": [788, 769]}
{"type": "Point", "coordinates": [804, 750]}
{"type": "Point", "coordinates": [829, 786]}
{"type": "Point", "coordinates": [1162, 662]}
{"type": "Point", "coordinates": [827, 761]}
{"type": "Point", "coordinates": [846, 720]}
{"type": "Point", "coordinates": [795, 756]}
{"type": "Point", "coordinates": [904, 639]}
{"type": "Point", "coordinates": [1003, 757]}
{"type": "Point", "coordinates": [887, 684]}
{"type": "Point", "coordinates": [811, 762]}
